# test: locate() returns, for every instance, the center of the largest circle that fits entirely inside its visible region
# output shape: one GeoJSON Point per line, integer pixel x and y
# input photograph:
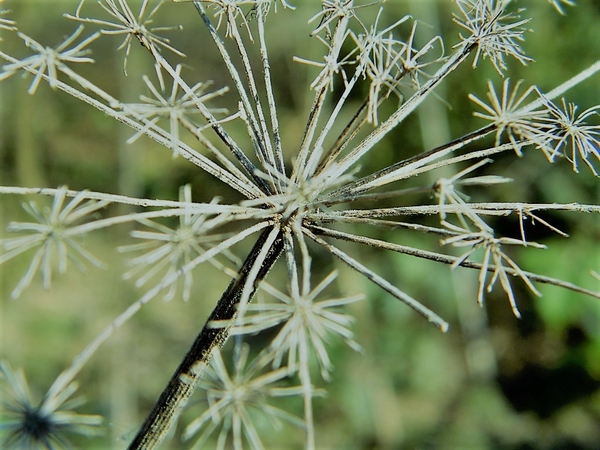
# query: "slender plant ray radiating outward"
{"type": "Point", "coordinates": [317, 201]}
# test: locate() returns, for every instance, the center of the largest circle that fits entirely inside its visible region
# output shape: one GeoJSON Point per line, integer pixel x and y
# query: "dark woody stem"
{"type": "Point", "coordinates": [184, 380]}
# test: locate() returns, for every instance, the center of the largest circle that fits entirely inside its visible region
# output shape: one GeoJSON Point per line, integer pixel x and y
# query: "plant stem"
{"type": "Point", "coordinates": [184, 380]}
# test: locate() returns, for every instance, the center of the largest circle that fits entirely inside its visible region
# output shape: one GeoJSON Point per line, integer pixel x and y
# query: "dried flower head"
{"type": "Point", "coordinates": [49, 60]}
{"type": "Point", "coordinates": [334, 196]}
{"type": "Point", "coordinates": [570, 135]}
{"type": "Point", "coordinates": [45, 426]}
{"type": "Point", "coordinates": [54, 235]}
{"type": "Point", "coordinates": [131, 26]}
{"type": "Point", "coordinates": [235, 399]}
{"type": "Point", "coordinates": [495, 31]}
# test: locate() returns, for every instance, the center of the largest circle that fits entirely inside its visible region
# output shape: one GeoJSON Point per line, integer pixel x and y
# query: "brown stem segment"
{"type": "Point", "coordinates": [184, 380]}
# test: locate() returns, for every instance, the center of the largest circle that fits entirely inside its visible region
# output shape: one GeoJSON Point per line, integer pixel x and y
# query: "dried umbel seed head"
{"type": "Point", "coordinates": [347, 178]}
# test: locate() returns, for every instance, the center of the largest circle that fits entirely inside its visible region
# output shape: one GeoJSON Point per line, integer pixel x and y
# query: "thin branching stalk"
{"type": "Point", "coordinates": [318, 202]}
{"type": "Point", "coordinates": [184, 380]}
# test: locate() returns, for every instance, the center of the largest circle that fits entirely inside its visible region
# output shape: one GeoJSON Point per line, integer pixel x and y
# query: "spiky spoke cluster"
{"type": "Point", "coordinates": [172, 249]}
{"type": "Point", "coordinates": [570, 135]}
{"type": "Point", "coordinates": [332, 11]}
{"type": "Point", "coordinates": [305, 325]}
{"type": "Point", "coordinates": [177, 108]}
{"type": "Point", "coordinates": [234, 399]}
{"type": "Point", "coordinates": [47, 425]}
{"type": "Point", "coordinates": [446, 190]}
{"type": "Point", "coordinates": [495, 31]}
{"type": "Point", "coordinates": [302, 208]}
{"type": "Point", "coordinates": [509, 118]}
{"type": "Point", "coordinates": [54, 235]}
{"type": "Point", "coordinates": [386, 61]}
{"type": "Point", "coordinates": [494, 260]}
{"type": "Point", "coordinates": [127, 23]}
{"type": "Point", "coordinates": [552, 129]}
{"type": "Point", "coordinates": [49, 60]}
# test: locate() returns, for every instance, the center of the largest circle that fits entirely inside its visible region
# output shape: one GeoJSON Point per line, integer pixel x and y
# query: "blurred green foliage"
{"type": "Point", "coordinates": [492, 382]}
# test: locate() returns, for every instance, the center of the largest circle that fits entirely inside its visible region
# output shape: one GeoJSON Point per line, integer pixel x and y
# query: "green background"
{"type": "Point", "coordinates": [492, 382]}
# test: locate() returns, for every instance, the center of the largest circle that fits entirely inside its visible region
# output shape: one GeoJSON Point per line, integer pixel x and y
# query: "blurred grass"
{"type": "Point", "coordinates": [412, 387]}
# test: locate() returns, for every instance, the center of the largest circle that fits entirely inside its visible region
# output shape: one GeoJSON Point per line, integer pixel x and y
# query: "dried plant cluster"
{"type": "Point", "coordinates": [299, 197]}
